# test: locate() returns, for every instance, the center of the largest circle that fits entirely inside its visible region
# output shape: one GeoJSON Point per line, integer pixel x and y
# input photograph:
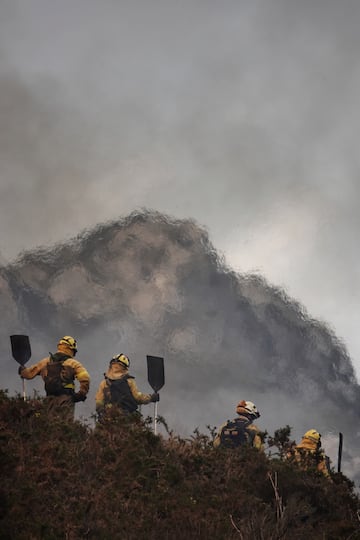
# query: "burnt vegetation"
{"type": "Point", "coordinates": [118, 480]}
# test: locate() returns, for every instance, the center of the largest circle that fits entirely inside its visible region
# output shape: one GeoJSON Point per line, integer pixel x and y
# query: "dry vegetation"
{"type": "Point", "coordinates": [120, 481]}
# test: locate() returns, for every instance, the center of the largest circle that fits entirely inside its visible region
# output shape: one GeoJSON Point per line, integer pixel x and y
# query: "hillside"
{"type": "Point", "coordinates": [119, 480]}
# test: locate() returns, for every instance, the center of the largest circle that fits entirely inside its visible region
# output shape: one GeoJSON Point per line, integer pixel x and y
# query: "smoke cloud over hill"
{"type": "Point", "coordinates": [149, 284]}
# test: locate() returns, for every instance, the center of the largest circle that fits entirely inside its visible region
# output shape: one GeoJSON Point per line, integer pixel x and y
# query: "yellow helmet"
{"type": "Point", "coordinates": [70, 342]}
{"type": "Point", "coordinates": [313, 435]}
{"type": "Point", "coordinates": [122, 359]}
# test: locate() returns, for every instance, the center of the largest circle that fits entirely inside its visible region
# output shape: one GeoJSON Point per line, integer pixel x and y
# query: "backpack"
{"type": "Point", "coordinates": [54, 379]}
{"type": "Point", "coordinates": [235, 433]}
{"type": "Point", "coordinates": [120, 393]}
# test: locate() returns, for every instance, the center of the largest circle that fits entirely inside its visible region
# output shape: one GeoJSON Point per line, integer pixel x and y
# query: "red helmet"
{"type": "Point", "coordinates": [247, 407]}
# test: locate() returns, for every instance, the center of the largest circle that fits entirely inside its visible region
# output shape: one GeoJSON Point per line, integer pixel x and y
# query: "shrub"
{"type": "Point", "coordinates": [118, 480]}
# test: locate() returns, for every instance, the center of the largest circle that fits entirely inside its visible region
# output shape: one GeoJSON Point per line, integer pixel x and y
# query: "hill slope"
{"type": "Point", "coordinates": [119, 480]}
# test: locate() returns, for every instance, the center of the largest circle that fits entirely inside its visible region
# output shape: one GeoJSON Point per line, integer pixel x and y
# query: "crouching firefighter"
{"type": "Point", "coordinates": [240, 431]}
{"type": "Point", "coordinates": [59, 371]}
{"type": "Point", "coordinates": [119, 389]}
{"type": "Point", "coordinates": [310, 455]}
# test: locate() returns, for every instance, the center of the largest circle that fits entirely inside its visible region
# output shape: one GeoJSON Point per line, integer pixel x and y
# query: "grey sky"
{"type": "Point", "coordinates": [241, 115]}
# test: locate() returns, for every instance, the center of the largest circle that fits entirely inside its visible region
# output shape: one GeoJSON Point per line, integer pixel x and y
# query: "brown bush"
{"type": "Point", "coordinates": [120, 481]}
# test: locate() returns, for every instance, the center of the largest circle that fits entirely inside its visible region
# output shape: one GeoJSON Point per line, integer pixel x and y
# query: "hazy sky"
{"type": "Point", "coordinates": [242, 115]}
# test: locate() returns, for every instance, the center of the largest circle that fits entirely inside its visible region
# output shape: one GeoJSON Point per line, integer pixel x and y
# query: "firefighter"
{"type": "Point", "coordinates": [59, 372]}
{"type": "Point", "coordinates": [120, 389]}
{"type": "Point", "coordinates": [309, 454]}
{"type": "Point", "coordinates": [241, 430]}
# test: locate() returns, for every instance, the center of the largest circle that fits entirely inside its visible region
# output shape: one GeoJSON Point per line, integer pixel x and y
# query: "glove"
{"type": "Point", "coordinates": [21, 369]}
{"type": "Point", "coordinates": [79, 396]}
{"type": "Point", "coordinates": [154, 397]}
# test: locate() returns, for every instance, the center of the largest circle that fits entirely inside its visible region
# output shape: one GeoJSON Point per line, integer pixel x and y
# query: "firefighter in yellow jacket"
{"type": "Point", "coordinates": [309, 454]}
{"type": "Point", "coordinates": [59, 372]}
{"type": "Point", "coordinates": [119, 388]}
{"type": "Point", "coordinates": [241, 430]}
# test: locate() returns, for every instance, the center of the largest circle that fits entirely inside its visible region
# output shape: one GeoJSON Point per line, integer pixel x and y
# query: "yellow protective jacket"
{"type": "Point", "coordinates": [256, 440]}
{"type": "Point", "coordinates": [77, 371]}
{"type": "Point", "coordinates": [117, 371]}
{"type": "Point", "coordinates": [308, 455]}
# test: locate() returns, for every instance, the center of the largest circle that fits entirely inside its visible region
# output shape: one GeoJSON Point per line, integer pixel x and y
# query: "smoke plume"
{"type": "Point", "coordinates": [150, 284]}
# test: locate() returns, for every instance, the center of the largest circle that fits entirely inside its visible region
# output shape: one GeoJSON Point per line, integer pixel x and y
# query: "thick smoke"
{"type": "Point", "coordinates": [148, 284]}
